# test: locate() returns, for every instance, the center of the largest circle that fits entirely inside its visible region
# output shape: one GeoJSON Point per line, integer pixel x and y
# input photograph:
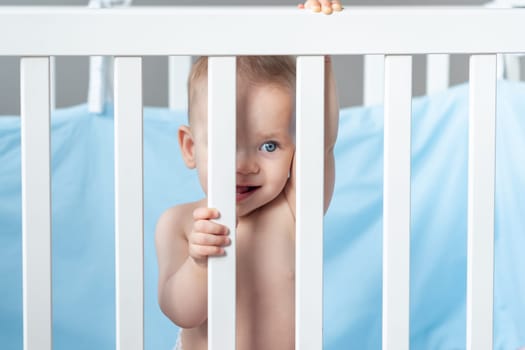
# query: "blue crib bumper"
{"type": "Point", "coordinates": [83, 225]}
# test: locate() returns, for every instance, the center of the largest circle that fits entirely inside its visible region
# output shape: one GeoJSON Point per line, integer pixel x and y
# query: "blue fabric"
{"type": "Point", "coordinates": [83, 225]}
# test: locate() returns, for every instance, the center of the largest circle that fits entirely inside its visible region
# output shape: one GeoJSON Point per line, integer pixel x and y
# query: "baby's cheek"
{"type": "Point", "coordinates": [284, 176]}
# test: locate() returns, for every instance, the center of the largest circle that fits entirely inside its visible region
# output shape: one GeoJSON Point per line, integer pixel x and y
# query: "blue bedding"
{"type": "Point", "coordinates": [83, 225]}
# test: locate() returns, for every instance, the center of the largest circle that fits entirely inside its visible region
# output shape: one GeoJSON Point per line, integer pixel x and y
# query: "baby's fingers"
{"type": "Point", "coordinates": [313, 5]}
{"type": "Point", "coordinates": [209, 227]}
{"type": "Point", "coordinates": [204, 239]}
{"type": "Point", "coordinates": [204, 213]}
{"type": "Point", "coordinates": [203, 245]}
{"type": "Point", "coordinates": [327, 6]}
{"type": "Point", "coordinates": [200, 253]}
{"type": "Point", "coordinates": [336, 5]}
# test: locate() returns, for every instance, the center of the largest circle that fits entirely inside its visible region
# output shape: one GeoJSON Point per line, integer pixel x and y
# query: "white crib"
{"type": "Point", "coordinates": [35, 34]}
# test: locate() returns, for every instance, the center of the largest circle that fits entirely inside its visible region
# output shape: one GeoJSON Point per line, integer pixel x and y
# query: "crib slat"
{"type": "Point", "coordinates": [179, 69]}
{"type": "Point", "coordinates": [512, 67]}
{"type": "Point", "coordinates": [374, 79]}
{"type": "Point", "coordinates": [221, 195]}
{"type": "Point", "coordinates": [129, 256]}
{"type": "Point", "coordinates": [36, 202]}
{"type": "Point", "coordinates": [309, 203]}
{"type": "Point", "coordinates": [437, 72]}
{"type": "Point", "coordinates": [396, 202]}
{"type": "Point", "coordinates": [99, 83]}
{"type": "Point", "coordinates": [52, 84]}
{"type": "Point", "coordinates": [480, 263]}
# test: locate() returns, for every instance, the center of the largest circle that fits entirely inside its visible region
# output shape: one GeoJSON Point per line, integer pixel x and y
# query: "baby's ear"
{"type": "Point", "coordinates": [187, 146]}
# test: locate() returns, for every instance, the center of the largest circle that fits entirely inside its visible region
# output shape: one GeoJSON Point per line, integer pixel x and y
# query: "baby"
{"type": "Point", "coordinates": [265, 205]}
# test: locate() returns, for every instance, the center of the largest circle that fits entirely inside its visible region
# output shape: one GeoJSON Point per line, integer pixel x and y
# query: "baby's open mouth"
{"type": "Point", "coordinates": [243, 192]}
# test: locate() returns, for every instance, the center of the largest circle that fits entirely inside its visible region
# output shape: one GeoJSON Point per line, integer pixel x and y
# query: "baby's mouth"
{"type": "Point", "coordinates": [243, 192]}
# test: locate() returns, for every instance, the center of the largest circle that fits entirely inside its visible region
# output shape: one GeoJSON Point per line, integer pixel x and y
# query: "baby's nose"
{"type": "Point", "coordinates": [246, 164]}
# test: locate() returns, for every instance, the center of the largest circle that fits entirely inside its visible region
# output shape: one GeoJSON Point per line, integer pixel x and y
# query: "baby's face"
{"type": "Point", "coordinates": [265, 144]}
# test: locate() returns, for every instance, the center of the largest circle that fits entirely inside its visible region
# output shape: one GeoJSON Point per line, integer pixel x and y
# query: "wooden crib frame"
{"type": "Point", "coordinates": [35, 34]}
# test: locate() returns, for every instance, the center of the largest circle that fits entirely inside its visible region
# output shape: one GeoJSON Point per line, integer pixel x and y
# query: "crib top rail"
{"type": "Point", "coordinates": [144, 31]}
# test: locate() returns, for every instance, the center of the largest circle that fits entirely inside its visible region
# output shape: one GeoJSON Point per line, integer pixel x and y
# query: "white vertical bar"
{"type": "Point", "coordinates": [97, 84]}
{"type": "Point", "coordinates": [53, 98]}
{"type": "Point", "coordinates": [438, 67]}
{"type": "Point", "coordinates": [374, 79]}
{"type": "Point", "coordinates": [512, 67]}
{"type": "Point", "coordinates": [480, 260]}
{"type": "Point", "coordinates": [396, 202]}
{"type": "Point", "coordinates": [500, 66]}
{"type": "Point", "coordinates": [100, 83]}
{"type": "Point", "coordinates": [129, 240]}
{"type": "Point", "coordinates": [179, 69]}
{"type": "Point", "coordinates": [309, 210]}
{"type": "Point", "coordinates": [221, 195]}
{"type": "Point", "coordinates": [36, 202]}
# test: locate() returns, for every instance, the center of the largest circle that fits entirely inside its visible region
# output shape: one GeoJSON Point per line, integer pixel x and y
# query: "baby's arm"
{"type": "Point", "coordinates": [183, 271]}
{"type": "Point", "coordinates": [331, 123]}
{"type": "Point", "coordinates": [326, 5]}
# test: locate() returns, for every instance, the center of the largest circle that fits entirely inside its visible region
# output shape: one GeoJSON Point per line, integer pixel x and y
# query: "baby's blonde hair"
{"type": "Point", "coordinates": [279, 70]}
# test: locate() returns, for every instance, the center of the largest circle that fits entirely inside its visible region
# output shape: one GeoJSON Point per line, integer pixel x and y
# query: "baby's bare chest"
{"type": "Point", "coordinates": [266, 287]}
{"type": "Point", "coordinates": [265, 254]}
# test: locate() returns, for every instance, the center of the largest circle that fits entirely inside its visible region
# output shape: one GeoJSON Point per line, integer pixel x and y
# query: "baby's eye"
{"type": "Point", "coordinates": [269, 146]}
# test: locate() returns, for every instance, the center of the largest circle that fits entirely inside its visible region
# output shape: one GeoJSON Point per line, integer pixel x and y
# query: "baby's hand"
{"type": "Point", "coordinates": [326, 5]}
{"type": "Point", "coordinates": [207, 238]}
